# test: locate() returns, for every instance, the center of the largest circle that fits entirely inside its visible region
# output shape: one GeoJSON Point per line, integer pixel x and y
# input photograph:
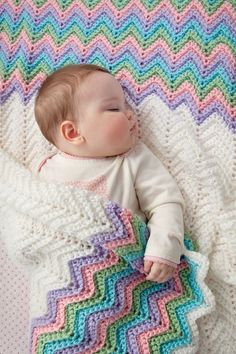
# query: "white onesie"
{"type": "Point", "coordinates": [136, 180]}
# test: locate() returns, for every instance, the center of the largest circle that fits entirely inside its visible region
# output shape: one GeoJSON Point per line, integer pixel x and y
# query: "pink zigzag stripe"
{"type": "Point", "coordinates": [88, 279]}
{"type": "Point", "coordinates": [215, 94]}
{"type": "Point", "coordinates": [17, 79]}
{"type": "Point", "coordinates": [85, 12]}
{"type": "Point", "coordinates": [88, 290]}
{"type": "Point", "coordinates": [161, 302]}
{"type": "Point", "coordinates": [129, 43]}
{"type": "Point", "coordinates": [103, 325]}
{"type": "Point", "coordinates": [144, 337]}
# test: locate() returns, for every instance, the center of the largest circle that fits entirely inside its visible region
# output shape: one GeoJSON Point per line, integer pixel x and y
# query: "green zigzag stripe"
{"type": "Point", "coordinates": [173, 84]}
{"type": "Point", "coordinates": [157, 343]}
{"type": "Point", "coordinates": [103, 29]}
{"type": "Point", "coordinates": [209, 6]}
{"type": "Point", "coordinates": [102, 283]}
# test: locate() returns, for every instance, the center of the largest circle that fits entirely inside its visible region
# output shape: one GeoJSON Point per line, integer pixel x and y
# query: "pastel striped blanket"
{"type": "Point", "coordinates": [176, 62]}
{"type": "Point", "coordinates": [89, 293]}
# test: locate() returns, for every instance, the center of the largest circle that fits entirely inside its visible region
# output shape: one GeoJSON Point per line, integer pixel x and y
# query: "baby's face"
{"type": "Point", "coordinates": [106, 122]}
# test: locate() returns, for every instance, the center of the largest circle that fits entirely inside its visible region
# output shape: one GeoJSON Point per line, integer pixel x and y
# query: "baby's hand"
{"type": "Point", "coordinates": [158, 272]}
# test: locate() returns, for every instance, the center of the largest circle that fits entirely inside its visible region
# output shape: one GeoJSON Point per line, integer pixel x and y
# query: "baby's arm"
{"type": "Point", "coordinates": [159, 197]}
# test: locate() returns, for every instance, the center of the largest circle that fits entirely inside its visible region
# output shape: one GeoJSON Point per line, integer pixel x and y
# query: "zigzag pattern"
{"type": "Point", "coordinates": [183, 51]}
{"type": "Point", "coordinates": [109, 307]}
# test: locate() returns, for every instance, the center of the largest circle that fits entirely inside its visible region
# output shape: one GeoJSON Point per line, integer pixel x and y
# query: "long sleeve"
{"type": "Point", "coordinates": [137, 181]}
{"type": "Point", "coordinates": [161, 201]}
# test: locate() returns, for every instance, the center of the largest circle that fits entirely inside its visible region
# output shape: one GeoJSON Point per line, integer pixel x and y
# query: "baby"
{"type": "Point", "coordinates": [82, 110]}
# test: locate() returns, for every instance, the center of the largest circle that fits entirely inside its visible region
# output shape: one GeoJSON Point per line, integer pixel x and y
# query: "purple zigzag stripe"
{"type": "Point", "coordinates": [99, 254]}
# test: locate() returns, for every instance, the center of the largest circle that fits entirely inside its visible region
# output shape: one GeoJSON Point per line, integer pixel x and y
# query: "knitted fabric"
{"type": "Point", "coordinates": [110, 308]}
{"type": "Point", "coordinates": [88, 283]}
{"type": "Point", "coordinates": [176, 63]}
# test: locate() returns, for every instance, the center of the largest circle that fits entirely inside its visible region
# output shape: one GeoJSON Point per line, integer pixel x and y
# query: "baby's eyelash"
{"type": "Point", "coordinates": [113, 109]}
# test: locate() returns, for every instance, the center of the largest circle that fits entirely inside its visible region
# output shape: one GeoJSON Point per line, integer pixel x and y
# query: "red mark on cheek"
{"type": "Point", "coordinates": [117, 129]}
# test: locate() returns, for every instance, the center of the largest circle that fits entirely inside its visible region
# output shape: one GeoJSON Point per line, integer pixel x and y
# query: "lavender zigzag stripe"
{"type": "Point", "coordinates": [41, 38]}
{"type": "Point", "coordinates": [100, 254]}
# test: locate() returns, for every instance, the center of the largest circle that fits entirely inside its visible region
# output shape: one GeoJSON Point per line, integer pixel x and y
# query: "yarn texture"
{"type": "Point", "coordinates": [176, 63]}
{"type": "Point", "coordinates": [88, 290]}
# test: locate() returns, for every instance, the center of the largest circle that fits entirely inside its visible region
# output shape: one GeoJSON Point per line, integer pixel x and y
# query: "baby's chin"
{"type": "Point", "coordinates": [125, 149]}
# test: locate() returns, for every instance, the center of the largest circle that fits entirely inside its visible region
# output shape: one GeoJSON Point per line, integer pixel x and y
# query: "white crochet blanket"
{"type": "Point", "coordinates": [201, 160]}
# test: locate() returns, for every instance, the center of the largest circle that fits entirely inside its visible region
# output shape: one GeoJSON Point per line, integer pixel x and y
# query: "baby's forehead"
{"type": "Point", "coordinates": [101, 85]}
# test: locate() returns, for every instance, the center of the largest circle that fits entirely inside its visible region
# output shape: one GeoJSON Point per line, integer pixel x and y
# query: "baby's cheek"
{"type": "Point", "coordinates": [116, 131]}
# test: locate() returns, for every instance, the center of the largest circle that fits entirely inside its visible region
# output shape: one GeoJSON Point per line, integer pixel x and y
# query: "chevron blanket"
{"type": "Point", "coordinates": [89, 293]}
{"type": "Point", "coordinates": [109, 307]}
{"type": "Point", "coordinates": [176, 62]}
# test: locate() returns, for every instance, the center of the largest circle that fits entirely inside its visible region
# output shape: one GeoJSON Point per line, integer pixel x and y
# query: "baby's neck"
{"type": "Point", "coordinates": [73, 151]}
{"type": "Point", "coordinates": [78, 157]}
{"type": "Point", "coordinates": [80, 152]}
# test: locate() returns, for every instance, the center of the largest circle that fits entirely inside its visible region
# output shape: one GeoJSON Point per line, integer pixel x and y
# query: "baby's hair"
{"type": "Point", "coordinates": [57, 98]}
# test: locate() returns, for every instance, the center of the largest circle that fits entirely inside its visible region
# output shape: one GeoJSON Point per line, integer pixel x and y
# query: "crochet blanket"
{"type": "Point", "coordinates": [89, 292]}
{"type": "Point", "coordinates": [175, 60]}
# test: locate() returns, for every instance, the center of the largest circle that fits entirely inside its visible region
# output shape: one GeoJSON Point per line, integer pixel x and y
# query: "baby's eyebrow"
{"type": "Point", "coordinates": [110, 99]}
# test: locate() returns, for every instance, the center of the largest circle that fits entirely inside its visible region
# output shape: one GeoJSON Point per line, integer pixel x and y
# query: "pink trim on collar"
{"type": "Point", "coordinates": [44, 161]}
{"type": "Point", "coordinates": [76, 157]}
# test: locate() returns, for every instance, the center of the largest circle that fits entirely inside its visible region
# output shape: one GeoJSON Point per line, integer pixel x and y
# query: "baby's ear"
{"type": "Point", "coordinates": [70, 132]}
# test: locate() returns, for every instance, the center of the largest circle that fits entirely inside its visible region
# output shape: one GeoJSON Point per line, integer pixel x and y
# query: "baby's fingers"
{"type": "Point", "coordinates": [154, 274]}
{"type": "Point", "coordinates": [160, 273]}
{"type": "Point", "coordinates": [147, 266]}
{"type": "Point", "coordinates": [164, 276]}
